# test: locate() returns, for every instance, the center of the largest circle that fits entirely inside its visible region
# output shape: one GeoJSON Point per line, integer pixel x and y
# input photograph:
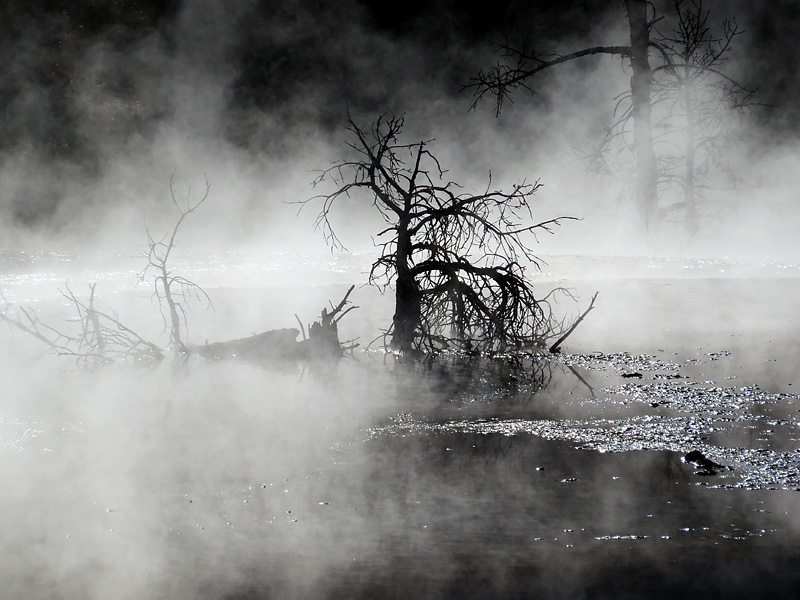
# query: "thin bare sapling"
{"type": "Point", "coordinates": [171, 291]}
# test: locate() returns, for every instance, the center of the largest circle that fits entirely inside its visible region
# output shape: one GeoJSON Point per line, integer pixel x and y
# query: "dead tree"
{"type": "Point", "coordinates": [695, 105]}
{"type": "Point", "coordinates": [672, 126]}
{"type": "Point", "coordinates": [172, 291]}
{"type": "Point", "coordinates": [456, 260]}
{"type": "Point", "coordinates": [521, 64]}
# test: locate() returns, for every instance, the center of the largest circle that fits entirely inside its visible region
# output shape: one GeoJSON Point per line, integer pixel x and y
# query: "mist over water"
{"type": "Point", "coordinates": [558, 476]}
{"type": "Point", "coordinates": [101, 105]}
{"type": "Point", "coordinates": [254, 480]}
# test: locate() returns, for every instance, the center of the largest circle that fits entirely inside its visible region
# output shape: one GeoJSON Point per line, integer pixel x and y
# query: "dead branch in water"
{"type": "Point", "coordinates": [555, 347]}
{"type": "Point", "coordinates": [104, 338]}
{"type": "Point", "coordinates": [330, 317]}
{"type": "Point", "coordinates": [302, 328]}
{"type": "Point", "coordinates": [323, 335]}
{"type": "Point", "coordinates": [26, 320]}
{"type": "Point", "coordinates": [322, 340]}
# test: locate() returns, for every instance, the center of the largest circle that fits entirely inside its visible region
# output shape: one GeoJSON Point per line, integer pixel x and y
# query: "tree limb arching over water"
{"type": "Point", "coordinates": [525, 63]}
{"type": "Point", "coordinates": [457, 260]}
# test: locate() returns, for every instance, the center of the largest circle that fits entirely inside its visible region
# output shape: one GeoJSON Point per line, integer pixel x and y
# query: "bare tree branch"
{"type": "Point", "coordinates": [505, 78]}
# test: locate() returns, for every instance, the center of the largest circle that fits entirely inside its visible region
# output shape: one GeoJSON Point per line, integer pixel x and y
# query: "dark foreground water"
{"type": "Point", "coordinates": [564, 477]}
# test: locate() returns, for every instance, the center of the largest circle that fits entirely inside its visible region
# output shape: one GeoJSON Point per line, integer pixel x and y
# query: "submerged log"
{"type": "Point", "coordinates": [277, 344]}
{"type": "Point", "coordinates": [274, 344]}
{"type": "Point", "coordinates": [322, 342]}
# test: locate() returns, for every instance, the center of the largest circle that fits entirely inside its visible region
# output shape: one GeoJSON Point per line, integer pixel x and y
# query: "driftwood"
{"type": "Point", "coordinates": [322, 341]}
{"type": "Point", "coordinates": [278, 343]}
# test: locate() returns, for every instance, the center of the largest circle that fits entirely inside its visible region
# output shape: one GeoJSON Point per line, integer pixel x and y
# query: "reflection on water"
{"type": "Point", "coordinates": [556, 477]}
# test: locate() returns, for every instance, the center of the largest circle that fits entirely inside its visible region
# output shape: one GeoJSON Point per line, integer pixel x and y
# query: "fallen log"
{"type": "Point", "coordinates": [269, 345]}
{"type": "Point", "coordinates": [322, 342]}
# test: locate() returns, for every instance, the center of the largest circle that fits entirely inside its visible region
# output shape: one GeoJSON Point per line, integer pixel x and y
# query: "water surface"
{"type": "Point", "coordinates": [556, 477]}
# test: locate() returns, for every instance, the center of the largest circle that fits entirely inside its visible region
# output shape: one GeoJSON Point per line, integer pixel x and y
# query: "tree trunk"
{"type": "Point", "coordinates": [407, 297]}
{"type": "Point", "coordinates": [175, 319]}
{"type": "Point", "coordinates": [690, 220]}
{"type": "Point", "coordinates": [646, 175]}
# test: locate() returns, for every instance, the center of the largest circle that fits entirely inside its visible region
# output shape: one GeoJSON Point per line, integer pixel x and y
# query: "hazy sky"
{"type": "Point", "coordinates": [100, 101]}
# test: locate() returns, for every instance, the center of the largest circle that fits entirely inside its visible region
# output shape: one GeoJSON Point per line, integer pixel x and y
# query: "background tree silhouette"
{"type": "Point", "coordinates": [673, 126]}
{"type": "Point", "coordinates": [523, 63]}
{"type": "Point", "coordinates": [697, 104]}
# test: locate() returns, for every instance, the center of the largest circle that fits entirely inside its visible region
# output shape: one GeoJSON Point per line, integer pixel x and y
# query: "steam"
{"type": "Point", "coordinates": [178, 482]}
{"type": "Point", "coordinates": [253, 96]}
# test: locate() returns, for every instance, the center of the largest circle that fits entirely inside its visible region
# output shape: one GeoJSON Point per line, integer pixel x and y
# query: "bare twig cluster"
{"type": "Point", "coordinates": [103, 338]}
{"type": "Point", "coordinates": [100, 338]}
{"type": "Point", "coordinates": [27, 321]}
